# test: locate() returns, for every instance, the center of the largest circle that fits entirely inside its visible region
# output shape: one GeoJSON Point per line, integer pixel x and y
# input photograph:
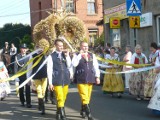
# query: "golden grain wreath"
{"type": "Point", "coordinates": [60, 24]}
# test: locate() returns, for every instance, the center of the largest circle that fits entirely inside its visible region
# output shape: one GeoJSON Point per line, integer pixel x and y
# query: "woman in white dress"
{"type": "Point", "coordinates": [4, 86]}
{"type": "Point", "coordinates": [154, 103]}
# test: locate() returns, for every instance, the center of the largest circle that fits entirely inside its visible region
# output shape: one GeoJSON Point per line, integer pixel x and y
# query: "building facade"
{"type": "Point", "coordinates": [89, 11]}
{"type": "Point", "coordinates": [148, 32]}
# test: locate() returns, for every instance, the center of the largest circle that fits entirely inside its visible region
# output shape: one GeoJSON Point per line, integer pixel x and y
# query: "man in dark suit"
{"type": "Point", "coordinates": [19, 64]}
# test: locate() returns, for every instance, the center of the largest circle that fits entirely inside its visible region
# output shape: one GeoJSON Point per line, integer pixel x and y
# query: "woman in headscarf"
{"type": "Point", "coordinates": [113, 83]}
{"type": "Point", "coordinates": [136, 82]}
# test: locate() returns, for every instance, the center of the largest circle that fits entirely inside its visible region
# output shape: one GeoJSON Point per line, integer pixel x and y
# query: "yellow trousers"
{"type": "Point", "coordinates": [85, 91]}
{"type": "Point", "coordinates": [41, 87]}
{"type": "Point", "coordinates": [61, 94]}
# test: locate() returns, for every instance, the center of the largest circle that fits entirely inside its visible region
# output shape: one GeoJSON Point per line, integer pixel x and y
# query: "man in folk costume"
{"type": "Point", "coordinates": [59, 76]}
{"type": "Point", "coordinates": [19, 64]}
{"type": "Point", "coordinates": [86, 74]}
{"type": "Point", "coordinates": [40, 78]}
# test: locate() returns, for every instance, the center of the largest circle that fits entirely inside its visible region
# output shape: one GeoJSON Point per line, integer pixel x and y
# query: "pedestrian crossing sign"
{"type": "Point", "coordinates": [133, 7]}
{"type": "Point", "coordinates": [134, 22]}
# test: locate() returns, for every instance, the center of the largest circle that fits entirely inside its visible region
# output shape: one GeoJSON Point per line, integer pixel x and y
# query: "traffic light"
{"type": "Point", "coordinates": [134, 22]}
{"type": "Point", "coordinates": [114, 22]}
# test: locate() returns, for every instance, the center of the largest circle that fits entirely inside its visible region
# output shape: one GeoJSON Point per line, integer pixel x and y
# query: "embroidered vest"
{"type": "Point", "coordinates": [139, 59]}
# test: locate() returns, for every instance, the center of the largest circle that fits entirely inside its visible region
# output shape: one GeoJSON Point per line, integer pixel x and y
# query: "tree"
{"type": "Point", "coordinates": [28, 40]}
{"type": "Point", "coordinates": [100, 40]}
{"type": "Point", "coordinates": [13, 33]}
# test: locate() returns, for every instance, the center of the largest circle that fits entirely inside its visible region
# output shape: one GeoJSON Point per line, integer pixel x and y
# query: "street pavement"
{"type": "Point", "coordinates": [103, 107]}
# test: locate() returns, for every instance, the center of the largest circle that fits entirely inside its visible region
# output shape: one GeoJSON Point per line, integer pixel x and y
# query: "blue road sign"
{"type": "Point", "coordinates": [133, 7]}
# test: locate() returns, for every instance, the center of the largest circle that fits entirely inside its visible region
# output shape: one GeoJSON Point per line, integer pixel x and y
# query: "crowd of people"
{"type": "Point", "coordinates": [57, 73]}
{"type": "Point", "coordinates": [61, 67]}
{"type": "Point", "coordinates": [144, 85]}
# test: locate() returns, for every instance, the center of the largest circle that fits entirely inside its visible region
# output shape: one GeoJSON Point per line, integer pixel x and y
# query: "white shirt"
{"type": "Point", "coordinates": [157, 61]}
{"type": "Point", "coordinates": [134, 56]}
{"type": "Point", "coordinates": [109, 57]}
{"type": "Point", "coordinates": [13, 51]}
{"type": "Point", "coordinates": [77, 58]}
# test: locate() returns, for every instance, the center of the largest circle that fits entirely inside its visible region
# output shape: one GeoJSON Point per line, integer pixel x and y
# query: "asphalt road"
{"type": "Point", "coordinates": [103, 107]}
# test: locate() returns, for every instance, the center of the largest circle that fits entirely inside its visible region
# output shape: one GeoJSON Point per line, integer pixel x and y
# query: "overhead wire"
{"type": "Point", "coordinates": [17, 14]}
{"type": "Point", "coordinates": [21, 27]}
{"type": "Point", "coordinates": [10, 6]}
{"type": "Point", "coordinates": [2, 6]}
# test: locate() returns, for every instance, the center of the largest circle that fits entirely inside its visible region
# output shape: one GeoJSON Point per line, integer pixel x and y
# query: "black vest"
{"type": "Point", "coordinates": [84, 72]}
{"type": "Point", "coordinates": [42, 73]}
{"type": "Point", "coordinates": [60, 75]}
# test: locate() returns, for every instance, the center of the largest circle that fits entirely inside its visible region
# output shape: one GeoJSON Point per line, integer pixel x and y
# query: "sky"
{"type": "Point", "coordinates": [14, 11]}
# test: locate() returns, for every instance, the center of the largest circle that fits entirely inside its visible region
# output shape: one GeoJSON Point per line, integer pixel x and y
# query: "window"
{"type": "Point", "coordinates": [158, 30]}
{"type": "Point", "coordinates": [70, 7]}
{"type": "Point", "coordinates": [91, 6]}
{"type": "Point", "coordinates": [116, 37]}
{"type": "Point", "coordinates": [40, 11]}
{"type": "Point", "coordinates": [93, 34]}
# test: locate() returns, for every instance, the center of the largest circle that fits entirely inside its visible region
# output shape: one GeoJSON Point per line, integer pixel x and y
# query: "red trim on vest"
{"type": "Point", "coordinates": [136, 61]}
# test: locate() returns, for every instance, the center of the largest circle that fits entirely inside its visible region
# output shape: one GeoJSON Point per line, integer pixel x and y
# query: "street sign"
{"type": "Point", "coordinates": [133, 7]}
{"type": "Point", "coordinates": [114, 22]}
{"type": "Point", "coordinates": [134, 22]}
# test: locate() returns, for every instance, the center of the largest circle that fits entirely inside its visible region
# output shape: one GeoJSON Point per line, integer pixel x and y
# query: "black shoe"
{"type": "Point", "coordinates": [46, 100]}
{"type": "Point", "coordinates": [53, 102]}
{"type": "Point", "coordinates": [29, 105]}
{"type": "Point", "coordinates": [58, 116]}
{"type": "Point", "coordinates": [119, 95]}
{"type": "Point", "coordinates": [88, 112]}
{"type": "Point", "coordinates": [61, 111]}
{"type": "Point", "coordinates": [22, 104]}
{"type": "Point", "coordinates": [82, 112]}
{"type": "Point", "coordinates": [41, 106]}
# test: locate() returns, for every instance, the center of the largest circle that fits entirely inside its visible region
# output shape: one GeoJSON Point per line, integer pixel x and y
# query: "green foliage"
{"type": "Point", "coordinates": [14, 33]}
{"type": "Point", "coordinates": [28, 40]}
{"type": "Point", "coordinates": [100, 40]}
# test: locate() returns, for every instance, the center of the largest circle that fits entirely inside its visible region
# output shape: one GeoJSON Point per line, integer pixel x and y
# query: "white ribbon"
{"type": "Point", "coordinates": [158, 81]}
{"type": "Point", "coordinates": [64, 39]}
{"type": "Point", "coordinates": [30, 78]}
{"type": "Point", "coordinates": [32, 53]}
{"type": "Point", "coordinates": [130, 71]}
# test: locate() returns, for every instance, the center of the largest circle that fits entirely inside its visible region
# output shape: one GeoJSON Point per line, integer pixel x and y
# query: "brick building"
{"type": "Point", "coordinates": [148, 32]}
{"type": "Point", "coordinates": [89, 11]}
